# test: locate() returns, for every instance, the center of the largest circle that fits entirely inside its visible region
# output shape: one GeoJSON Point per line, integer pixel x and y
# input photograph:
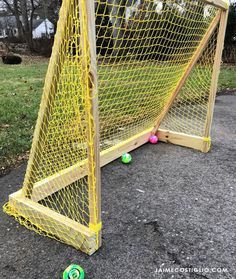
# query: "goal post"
{"type": "Point", "coordinates": [215, 75]}
{"type": "Point", "coordinates": [117, 75]}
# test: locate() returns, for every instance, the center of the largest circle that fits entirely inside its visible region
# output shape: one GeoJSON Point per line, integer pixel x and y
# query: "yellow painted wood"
{"type": "Point", "coordinates": [215, 74]}
{"type": "Point", "coordinates": [60, 180]}
{"type": "Point", "coordinates": [48, 220]}
{"type": "Point", "coordinates": [89, 62]}
{"type": "Point", "coordinates": [190, 141]}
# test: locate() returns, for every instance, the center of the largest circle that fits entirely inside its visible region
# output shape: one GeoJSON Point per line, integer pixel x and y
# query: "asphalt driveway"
{"type": "Point", "coordinates": [173, 207]}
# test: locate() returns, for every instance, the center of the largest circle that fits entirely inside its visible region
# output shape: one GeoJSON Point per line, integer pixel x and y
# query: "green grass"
{"type": "Point", "coordinates": [227, 78]}
{"type": "Point", "coordinates": [20, 93]}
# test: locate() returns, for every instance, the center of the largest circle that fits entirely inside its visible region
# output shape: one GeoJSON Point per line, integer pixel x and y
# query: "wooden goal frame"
{"type": "Point", "coordinates": [25, 202]}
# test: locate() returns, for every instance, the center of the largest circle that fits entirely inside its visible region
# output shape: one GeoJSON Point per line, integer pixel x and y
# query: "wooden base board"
{"type": "Point", "coordinates": [194, 142]}
{"type": "Point", "coordinates": [69, 231]}
{"type": "Point", "coordinates": [64, 228]}
{"type": "Point", "coordinates": [60, 180]}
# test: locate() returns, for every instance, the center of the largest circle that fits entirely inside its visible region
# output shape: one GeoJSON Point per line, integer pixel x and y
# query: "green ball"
{"type": "Point", "coordinates": [126, 158]}
{"type": "Point", "coordinates": [73, 271]}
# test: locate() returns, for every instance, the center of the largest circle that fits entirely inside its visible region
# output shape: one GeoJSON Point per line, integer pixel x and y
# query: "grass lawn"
{"type": "Point", "coordinates": [20, 94]}
{"type": "Point", "coordinates": [227, 78]}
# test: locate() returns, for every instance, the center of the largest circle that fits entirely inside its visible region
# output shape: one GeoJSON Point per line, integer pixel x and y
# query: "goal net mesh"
{"type": "Point", "coordinates": [143, 51]}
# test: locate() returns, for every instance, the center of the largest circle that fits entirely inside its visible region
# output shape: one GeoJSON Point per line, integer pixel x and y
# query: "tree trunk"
{"type": "Point", "coordinates": [27, 31]}
{"type": "Point", "coordinates": [18, 22]}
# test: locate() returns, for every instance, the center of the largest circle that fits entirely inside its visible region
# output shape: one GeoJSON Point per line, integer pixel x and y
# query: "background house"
{"type": "Point", "coordinates": [42, 28]}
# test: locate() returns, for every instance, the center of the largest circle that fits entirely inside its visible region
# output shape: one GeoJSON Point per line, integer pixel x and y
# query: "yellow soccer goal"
{"type": "Point", "coordinates": [120, 71]}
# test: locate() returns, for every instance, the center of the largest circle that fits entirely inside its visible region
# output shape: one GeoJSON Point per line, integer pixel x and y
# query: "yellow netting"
{"type": "Point", "coordinates": [62, 138]}
{"type": "Point", "coordinates": [140, 70]}
{"type": "Point", "coordinates": [143, 50]}
{"type": "Point", "coordinates": [189, 111]}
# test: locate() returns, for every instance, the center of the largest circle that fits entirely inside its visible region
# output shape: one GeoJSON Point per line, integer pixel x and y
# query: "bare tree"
{"type": "Point", "coordinates": [17, 16]}
{"type": "Point", "coordinates": [13, 8]}
{"type": "Point", "coordinates": [24, 11]}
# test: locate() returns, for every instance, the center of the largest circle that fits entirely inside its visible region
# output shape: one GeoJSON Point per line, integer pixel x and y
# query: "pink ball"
{"type": "Point", "coordinates": [153, 139]}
